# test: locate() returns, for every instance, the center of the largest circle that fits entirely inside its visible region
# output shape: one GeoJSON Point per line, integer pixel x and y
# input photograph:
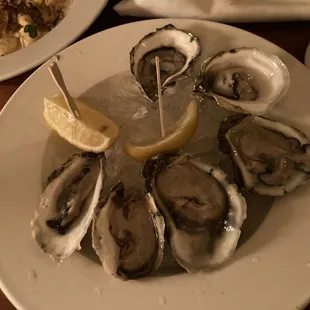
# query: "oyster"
{"type": "Point", "coordinates": [245, 80]}
{"type": "Point", "coordinates": [128, 233]}
{"type": "Point", "coordinates": [177, 49]}
{"type": "Point", "coordinates": [203, 212]}
{"type": "Point", "coordinates": [272, 158]}
{"type": "Point", "coordinates": [67, 205]}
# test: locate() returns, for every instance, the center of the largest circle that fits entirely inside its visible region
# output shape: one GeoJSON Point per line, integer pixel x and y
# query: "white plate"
{"type": "Point", "coordinates": [80, 16]}
{"type": "Point", "coordinates": [269, 271]}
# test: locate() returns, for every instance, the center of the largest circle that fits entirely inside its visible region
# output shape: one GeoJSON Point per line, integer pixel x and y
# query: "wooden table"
{"type": "Point", "coordinates": [293, 37]}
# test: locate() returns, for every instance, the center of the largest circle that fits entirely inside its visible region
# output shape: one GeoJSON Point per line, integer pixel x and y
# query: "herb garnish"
{"type": "Point", "coordinates": [55, 22]}
{"type": "Point", "coordinates": [32, 30]}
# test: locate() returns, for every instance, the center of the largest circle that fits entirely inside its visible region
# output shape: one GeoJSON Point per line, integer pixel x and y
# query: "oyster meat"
{"type": "Point", "coordinates": [177, 49]}
{"type": "Point", "coordinates": [128, 233]}
{"type": "Point", "coordinates": [67, 205]}
{"type": "Point", "coordinates": [203, 212]}
{"type": "Point", "coordinates": [245, 80]}
{"type": "Point", "coordinates": [272, 158]}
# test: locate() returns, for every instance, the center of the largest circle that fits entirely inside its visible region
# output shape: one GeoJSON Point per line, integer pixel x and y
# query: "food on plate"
{"type": "Point", "coordinates": [128, 233]}
{"type": "Point", "coordinates": [183, 131]}
{"type": "Point", "coordinates": [67, 205]}
{"type": "Point", "coordinates": [272, 158]}
{"type": "Point", "coordinates": [203, 212]}
{"type": "Point", "coordinates": [94, 132]}
{"type": "Point", "coordinates": [187, 202]}
{"type": "Point", "coordinates": [177, 49]}
{"type": "Point", "coordinates": [244, 80]}
{"type": "Point", "coordinates": [23, 22]}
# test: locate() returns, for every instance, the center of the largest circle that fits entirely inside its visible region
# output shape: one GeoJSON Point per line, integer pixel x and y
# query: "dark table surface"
{"type": "Point", "coordinates": [293, 37]}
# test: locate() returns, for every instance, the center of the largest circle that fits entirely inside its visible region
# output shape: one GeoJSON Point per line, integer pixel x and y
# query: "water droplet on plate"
{"type": "Point", "coordinates": [256, 260]}
{"type": "Point", "coordinates": [98, 291]}
{"type": "Point", "coordinates": [32, 277]}
{"type": "Point", "coordinates": [307, 264]}
{"type": "Point", "coordinates": [162, 300]}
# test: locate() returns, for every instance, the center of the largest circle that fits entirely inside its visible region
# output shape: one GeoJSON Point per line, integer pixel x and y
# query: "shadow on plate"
{"type": "Point", "coordinates": [214, 41]}
{"type": "Point", "coordinates": [87, 250]}
{"type": "Point", "coordinates": [168, 268]}
{"type": "Point", "coordinates": [258, 209]}
{"type": "Point", "coordinates": [56, 152]}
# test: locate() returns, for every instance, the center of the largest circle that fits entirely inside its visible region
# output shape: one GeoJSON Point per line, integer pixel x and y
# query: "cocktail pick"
{"type": "Point", "coordinates": [160, 98]}
{"type": "Point", "coordinates": [59, 81]}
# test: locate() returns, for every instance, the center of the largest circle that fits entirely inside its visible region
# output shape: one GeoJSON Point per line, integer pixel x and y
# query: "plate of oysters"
{"type": "Point", "coordinates": [159, 164]}
{"type": "Point", "coordinates": [32, 31]}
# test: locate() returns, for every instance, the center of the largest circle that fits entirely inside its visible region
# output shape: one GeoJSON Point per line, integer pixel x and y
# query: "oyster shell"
{"type": "Point", "coordinates": [177, 49]}
{"type": "Point", "coordinates": [203, 212]}
{"type": "Point", "coordinates": [245, 80]}
{"type": "Point", "coordinates": [67, 205]}
{"type": "Point", "coordinates": [272, 158]}
{"type": "Point", "coordinates": [128, 233]}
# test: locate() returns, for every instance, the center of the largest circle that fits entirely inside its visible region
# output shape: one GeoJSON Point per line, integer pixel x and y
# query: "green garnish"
{"type": "Point", "coordinates": [55, 22]}
{"type": "Point", "coordinates": [32, 30]}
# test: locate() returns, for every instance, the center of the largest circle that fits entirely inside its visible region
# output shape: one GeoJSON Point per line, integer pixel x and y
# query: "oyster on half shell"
{"type": "Point", "coordinates": [272, 158]}
{"type": "Point", "coordinates": [128, 233]}
{"type": "Point", "coordinates": [203, 212]}
{"type": "Point", "coordinates": [245, 80]}
{"type": "Point", "coordinates": [67, 205]}
{"type": "Point", "coordinates": [177, 49]}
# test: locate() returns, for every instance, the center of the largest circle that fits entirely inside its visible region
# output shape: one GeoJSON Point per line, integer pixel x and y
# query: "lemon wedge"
{"type": "Point", "coordinates": [185, 128]}
{"type": "Point", "coordinates": [94, 132]}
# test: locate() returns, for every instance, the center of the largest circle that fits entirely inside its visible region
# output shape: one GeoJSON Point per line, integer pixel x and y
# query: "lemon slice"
{"type": "Point", "coordinates": [94, 132]}
{"type": "Point", "coordinates": [185, 128]}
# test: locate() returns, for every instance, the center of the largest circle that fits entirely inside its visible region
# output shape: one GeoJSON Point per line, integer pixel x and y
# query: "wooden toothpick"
{"type": "Point", "coordinates": [160, 98]}
{"type": "Point", "coordinates": [59, 80]}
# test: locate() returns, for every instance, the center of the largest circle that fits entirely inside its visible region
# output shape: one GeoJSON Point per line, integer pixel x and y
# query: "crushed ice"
{"type": "Point", "coordinates": [138, 119]}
